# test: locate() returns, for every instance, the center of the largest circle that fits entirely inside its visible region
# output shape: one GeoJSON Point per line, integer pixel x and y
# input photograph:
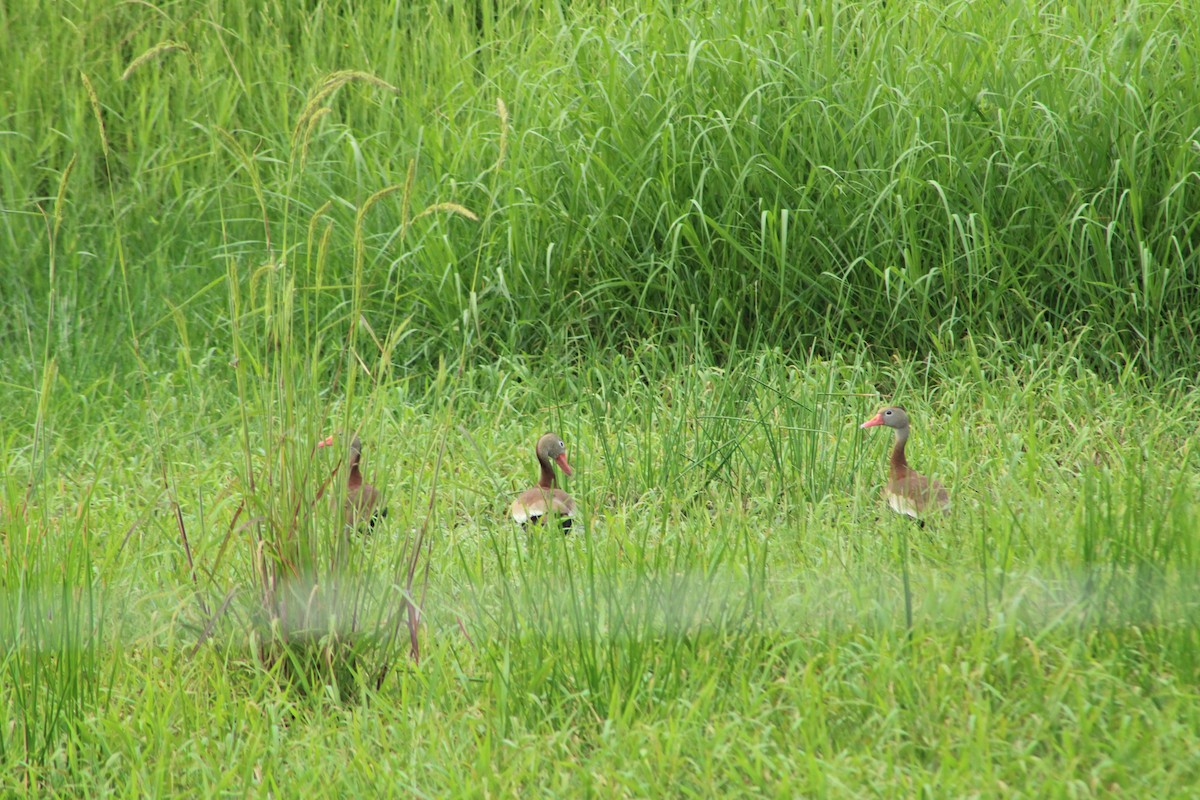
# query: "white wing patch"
{"type": "Point", "coordinates": [901, 505]}
{"type": "Point", "coordinates": [522, 513]}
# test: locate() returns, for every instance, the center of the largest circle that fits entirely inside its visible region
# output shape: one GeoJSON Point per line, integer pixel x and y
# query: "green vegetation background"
{"type": "Point", "coordinates": [702, 240]}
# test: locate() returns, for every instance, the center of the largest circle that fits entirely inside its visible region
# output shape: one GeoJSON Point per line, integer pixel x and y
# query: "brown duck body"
{"type": "Point", "coordinates": [364, 503]}
{"type": "Point", "coordinates": [910, 493]}
{"type": "Point", "coordinates": [546, 499]}
{"type": "Point", "coordinates": [907, 491]}
{"type": "Point", "coordinates": [533, 504]}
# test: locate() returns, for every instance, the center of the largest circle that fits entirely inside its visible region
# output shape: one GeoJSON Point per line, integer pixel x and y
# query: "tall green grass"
{"type": "Point", "coordinates": [51, 608]}
{"type": "Point", "coordinates": [50, 620]}
{"type": "Point", "coordinates": [716, 603]}
{"type": "Point", "coordinates": [701, 241]}
{"type": "Point", "coordinates": [896, 174]}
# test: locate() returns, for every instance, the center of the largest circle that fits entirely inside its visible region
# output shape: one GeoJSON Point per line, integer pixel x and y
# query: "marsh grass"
{"type": "Point", "coordinates": [50, 619]}
{"type": "Point", "coordinates": [899, 177]}
{"type": "Point", "coordinates": [709, 603]}
{"type": "Point", "coordinates": [329, 606]}
{"type": "Point", "coordinates": [701, 242]}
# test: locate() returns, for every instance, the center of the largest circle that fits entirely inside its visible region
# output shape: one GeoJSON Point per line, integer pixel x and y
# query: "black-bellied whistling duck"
{"type": "Point", "coordinates": [907, 492]}
{"type": "Point", "coordinates": [364, 503]}
{"type": "Point", "coordinates": [546, 498]}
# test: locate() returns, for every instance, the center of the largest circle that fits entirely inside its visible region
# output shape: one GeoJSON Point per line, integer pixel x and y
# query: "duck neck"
{"type": "Point", "coordinates": [546, 480]}
{"type": "Point", "coordinates": [899, 463]}
{"type": "Point", "coordinates": [355, 475]}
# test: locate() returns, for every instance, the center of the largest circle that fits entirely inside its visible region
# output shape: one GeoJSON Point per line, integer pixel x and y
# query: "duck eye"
{"type": "Point", "coordinates": [560, 444]}
{"type": "Point", "coordinates": [888, 412]}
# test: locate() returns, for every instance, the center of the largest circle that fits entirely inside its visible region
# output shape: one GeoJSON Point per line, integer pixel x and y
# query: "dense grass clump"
{"type": "Point", "coordinates": [702, 241]}
{"type": "Point", "coordinates": [901, 174]}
